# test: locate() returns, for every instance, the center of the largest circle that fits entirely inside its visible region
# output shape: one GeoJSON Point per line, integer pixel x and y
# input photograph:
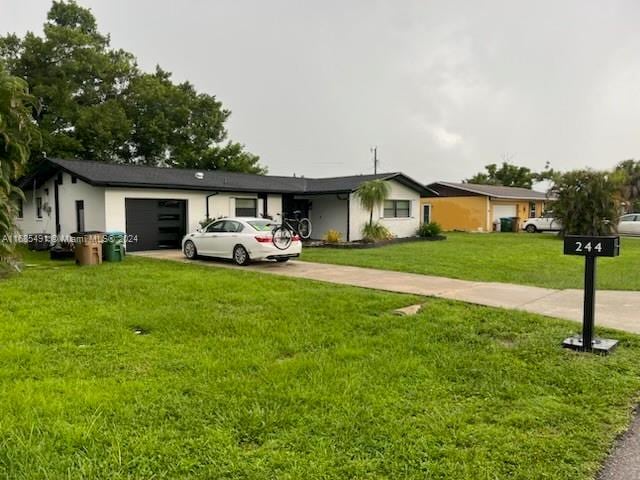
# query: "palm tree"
{"type": "Point", "coordinates": [372, 194]}
{"type": "Point", "coordinates": [17, 133]}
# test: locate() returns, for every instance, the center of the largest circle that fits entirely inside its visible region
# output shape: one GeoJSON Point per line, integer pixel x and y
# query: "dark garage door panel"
{"type": "Point", "coordinates": [156, 223]}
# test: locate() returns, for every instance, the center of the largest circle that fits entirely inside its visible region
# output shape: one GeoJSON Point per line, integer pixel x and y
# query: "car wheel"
{"type": "Point", "coordinates": [190, 250]}
{"type": "Point", "coordinates": [531, 228]}
{"type": "Point", "coordinates": [282, 260]}
{"type": "Point", "coordinates": [241, 256]}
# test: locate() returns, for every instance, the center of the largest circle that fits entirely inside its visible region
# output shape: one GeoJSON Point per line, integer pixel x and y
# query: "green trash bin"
{"type": "Point", "coordinates": [113, 247]}
{"type": "Point", "coordinates": [506, 224]}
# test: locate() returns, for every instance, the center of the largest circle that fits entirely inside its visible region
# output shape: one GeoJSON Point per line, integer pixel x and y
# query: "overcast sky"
{"type": "Point", "coordinates": [441, 87]}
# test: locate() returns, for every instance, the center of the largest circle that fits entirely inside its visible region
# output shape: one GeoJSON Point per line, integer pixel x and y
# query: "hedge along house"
{"type": "Point", "coordinates": [159, 206]}
{"type": "Point", "coordinates": [471, 207]}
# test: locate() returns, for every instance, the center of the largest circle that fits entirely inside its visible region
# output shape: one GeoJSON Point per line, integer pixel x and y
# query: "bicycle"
{"type": "Point", "coordinates": [283, 234]}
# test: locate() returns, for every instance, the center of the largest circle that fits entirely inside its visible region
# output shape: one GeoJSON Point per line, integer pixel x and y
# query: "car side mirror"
{"type": "Point", "coordinates": [199, 229]}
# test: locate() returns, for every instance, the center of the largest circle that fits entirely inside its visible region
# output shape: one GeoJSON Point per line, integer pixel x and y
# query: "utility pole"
{"type": "Point", "coordinates": [375, 159]}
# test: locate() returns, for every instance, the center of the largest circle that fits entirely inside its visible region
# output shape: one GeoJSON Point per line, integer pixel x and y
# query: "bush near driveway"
{"type": "Point", "coordinates": [152, 369]}
{"type": "Point", "coordinates": [522, 258]}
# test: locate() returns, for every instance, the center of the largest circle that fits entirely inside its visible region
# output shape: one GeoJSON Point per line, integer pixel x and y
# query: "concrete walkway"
{"type": "Point", "coordinates": [614, 309]}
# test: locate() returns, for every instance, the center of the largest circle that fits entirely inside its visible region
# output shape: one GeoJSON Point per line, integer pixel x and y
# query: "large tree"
{"type": "Point", "coordinates": [510, 175]}
{"type": "Point", "coordinates": [96, 104]}
{"type": "Point", "coordinates": [17, 132]}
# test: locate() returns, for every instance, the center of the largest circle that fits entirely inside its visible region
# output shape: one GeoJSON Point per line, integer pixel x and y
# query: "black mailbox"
{"type": "Point", "coordinates": [590, 248]}
{"type": "Point", "coordinates": [605, 246]}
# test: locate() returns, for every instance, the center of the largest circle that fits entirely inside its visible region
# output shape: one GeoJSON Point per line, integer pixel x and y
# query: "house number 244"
{"type": "Point", "coordinates": [580, 247]}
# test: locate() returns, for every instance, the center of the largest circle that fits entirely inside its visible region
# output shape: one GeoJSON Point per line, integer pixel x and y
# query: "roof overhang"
{"type": "Point", "coordinates": [492, 196]}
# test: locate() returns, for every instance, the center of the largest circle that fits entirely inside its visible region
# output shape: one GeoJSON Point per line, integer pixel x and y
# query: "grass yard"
{"type": "Point", "coordinates": [523, 258]}
{"type": "Point", "coordinates": [247, 376]}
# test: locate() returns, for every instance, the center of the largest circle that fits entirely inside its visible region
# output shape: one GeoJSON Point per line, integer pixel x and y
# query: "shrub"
{"type": "Point", "coordinates": [333, 236]}
{"type": "Point", "coordinates": [429, 229]}
{"type": "Point", "coordinates": [374, 232]}
{"type": "Point", "coordinates": [587, 202]}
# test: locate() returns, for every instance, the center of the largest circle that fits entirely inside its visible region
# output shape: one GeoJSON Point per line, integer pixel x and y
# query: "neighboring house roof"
{"type": "Point", "coordinates": [116, 175]}
{"type": "Point", "coordinates": [443, 189]}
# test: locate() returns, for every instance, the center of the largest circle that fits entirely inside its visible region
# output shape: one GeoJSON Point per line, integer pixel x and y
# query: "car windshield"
{"type": "Point", "coordinates": [262, 225]}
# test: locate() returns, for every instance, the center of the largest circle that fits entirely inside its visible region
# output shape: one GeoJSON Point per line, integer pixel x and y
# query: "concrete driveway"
{"type": "Point", "coordinates": [614, 309]}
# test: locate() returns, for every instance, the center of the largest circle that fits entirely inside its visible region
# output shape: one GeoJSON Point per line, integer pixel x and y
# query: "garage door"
{"type": "Point", "coordinates": [500, 211]}
{"type": "Point", "coordinates": [155, 223]}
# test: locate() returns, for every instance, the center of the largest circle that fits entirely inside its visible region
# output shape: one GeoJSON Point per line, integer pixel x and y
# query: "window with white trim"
{"type": "Point", "coordinates": [397, 208]}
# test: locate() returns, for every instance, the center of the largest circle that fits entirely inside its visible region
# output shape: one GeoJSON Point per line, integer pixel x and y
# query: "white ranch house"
{"type": "Point", "coordinates": [160, 205]}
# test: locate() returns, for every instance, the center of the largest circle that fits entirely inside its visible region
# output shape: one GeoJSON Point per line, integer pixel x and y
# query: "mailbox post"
{"type": "Point", "coordinates": [590, 248]}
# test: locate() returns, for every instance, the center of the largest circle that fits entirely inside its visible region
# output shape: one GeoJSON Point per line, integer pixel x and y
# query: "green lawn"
{"type": "Point", "coordinates": [248, 376]}
{"type": "Point", "coordinates": [500, 257]}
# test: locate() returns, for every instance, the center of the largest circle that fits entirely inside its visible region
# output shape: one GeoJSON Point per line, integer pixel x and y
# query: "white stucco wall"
{"type": "Point", "coordinates": [29, 223]}
{"type": "Point", "coordinates": [220, 205]}
{"type": "Point", "coordinates": [328, 212]}
{"type": "Point", "coordinates": [93, 198]}
{"type": "Point", "coordinates": [68, 193]}
{"type": "Point", "coordinates": [400, 227]}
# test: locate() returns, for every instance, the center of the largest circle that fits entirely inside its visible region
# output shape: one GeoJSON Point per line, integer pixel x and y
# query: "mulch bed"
{"type": "Point", "coordinates": [381, 243]}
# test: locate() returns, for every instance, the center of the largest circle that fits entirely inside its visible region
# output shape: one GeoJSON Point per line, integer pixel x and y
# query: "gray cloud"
{"type": "Point", "coordinates": [442, 88]}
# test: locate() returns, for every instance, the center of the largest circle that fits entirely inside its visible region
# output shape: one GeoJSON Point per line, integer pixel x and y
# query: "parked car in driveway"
{"type": "Point", "coordinates": [239, 239]}
{"type": "Point", "coordinates": [546, 223]}
{"type": "Point", "coordinates": [629, 224]}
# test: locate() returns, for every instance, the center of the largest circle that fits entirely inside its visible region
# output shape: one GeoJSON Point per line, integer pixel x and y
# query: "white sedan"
{"type": "Point", "coordinates": [629, 224]}
{"type": "Point", "coordinates": [545, 223]}
{"type": "Point", "coordinates": [239, 239]}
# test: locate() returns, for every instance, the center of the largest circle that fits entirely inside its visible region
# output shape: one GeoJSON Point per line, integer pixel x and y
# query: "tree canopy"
{"type": "Point", "coordinates": [510, 175]}
{"type": "Point", "coordinates": [96, 103]}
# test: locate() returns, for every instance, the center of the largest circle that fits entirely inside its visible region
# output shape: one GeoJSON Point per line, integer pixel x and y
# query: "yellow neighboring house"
{"type": "Point", "coordinates": [473, 208]}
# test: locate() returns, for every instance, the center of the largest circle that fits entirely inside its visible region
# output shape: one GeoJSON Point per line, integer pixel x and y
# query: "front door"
{"type": "Point", "coordinates": [426, 213]}
{"type": "Point", "coordinates": [290, 205]}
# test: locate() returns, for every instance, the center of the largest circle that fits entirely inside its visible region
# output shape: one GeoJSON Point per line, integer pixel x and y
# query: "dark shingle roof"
{"type": "Point", "coordinates": [496, 191]}
{"type": "Point", "coordinates": [114, 175]}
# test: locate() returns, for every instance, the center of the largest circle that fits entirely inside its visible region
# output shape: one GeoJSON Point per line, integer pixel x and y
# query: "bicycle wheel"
{"type": "Point", "coordinates": [282, 237]}
{"type": "Point", "coordinates": [304, 228]}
